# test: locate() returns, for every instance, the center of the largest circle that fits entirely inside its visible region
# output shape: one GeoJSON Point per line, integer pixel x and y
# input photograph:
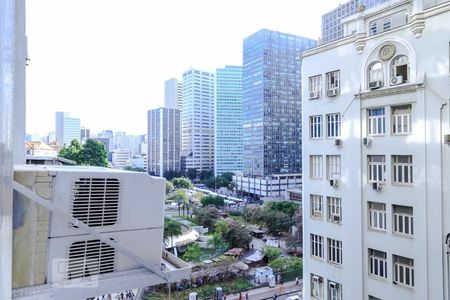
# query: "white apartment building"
{"type": "Point", "coordinates": [121, 158]}
{"type": "Point", "coordinates": [273, 185]}
{"type": "Point", "coordinates": [376, 156]}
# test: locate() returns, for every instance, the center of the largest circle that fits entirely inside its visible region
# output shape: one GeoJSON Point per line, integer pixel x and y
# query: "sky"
{"type": "Point", "coordinates": [106, 61]}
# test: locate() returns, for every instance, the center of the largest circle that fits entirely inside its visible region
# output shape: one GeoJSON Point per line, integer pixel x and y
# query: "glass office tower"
{"type": "Point", "coordinates": [272, 103]}
{"type": "Point", "coordinates": [228, 120]}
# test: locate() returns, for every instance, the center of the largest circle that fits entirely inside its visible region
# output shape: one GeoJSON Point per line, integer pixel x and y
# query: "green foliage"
{"type": "Point", "coordinates": [134, 169]}
{"type": "Point", "coordinates": [171, 229]}
{"type": "Point", "coordinates": [179, 196]}
{"type": "Point", "coordinates": [206, 216]}
{"type": "Point", "coordinates": [182, 183]}
{"type": "Point", "coordinates": [238, 236]}
{"type": "Point", "coordinates": [192, 253]}
{"type": "Point", "coordinates": [205, 174]}
{"type": "Point", "coordinates": [255, 215]}
{"type": "Point", "coordinates": [169, 175]}
{"type": "Point", "coordinates": [288, 264]}
{"type": "Point", "coordinates": [217, 201]}
{"type": "Point", "coordinates": [285, 207]}
{"type": "Point", "coordinates": [221, 227]}
{"type": "Point", "coordinates": [223, 180]}
{"type": "Point", "coordinates": [169, 187]}
{"type": "Point", "coordinates": [271, 252]}
{"type": "Point", "coordinates": [277, 222]}
{"type": "Point", "coordinates": [191, 174]}
{"type": "Point", "coordinates": [92, 153]}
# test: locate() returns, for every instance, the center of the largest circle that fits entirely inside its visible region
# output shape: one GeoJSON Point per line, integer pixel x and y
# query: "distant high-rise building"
{"type": "Point", "coordinates": [109, 135]}
{"type": "Point", "coordinates": [67, 128]}
{"type": "Point", "coordinates": [272, 102]}
{"type": "Point", "coordinates": [271, 132]}
{"type": "Point", "coordinates": [228, 120]}
{"type": "Point", "coordinates": [164, 141]}
{"type": "Point", "coordinates": [121, 158]}
{"type": "Point", "coordinates": [173, 93]}
{"type": "Point", "coordinates": [85, 133]}
{"type": "Point", "coordinates": [198, 119]}
{"type": "Point", "coordinates": [332, 28]}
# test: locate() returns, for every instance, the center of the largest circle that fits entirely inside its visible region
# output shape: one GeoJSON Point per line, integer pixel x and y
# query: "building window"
{"type": "Point", "coordinates": [333, 166]}
{"type": "Point", "coordinates": [375, 122]}
{"type": "Point", "coordinates": [334, 251]}
{"type": "Point", "coordinates": [387, 24]}
{"type": "Point", "coordinates": [402, 169]}
{"type": "Point", "coordinates": [317, 246]}
{"type": "Point", "coordinates": [377, 168]}
{"type": "Point", "coordinates": [315, 84]}
{"type": "Point", "coordinates": [334, 125]}
{"type": "Point", "coordinates": [377, 216]}
{"type": "Point", "coordinates": [377, 263]}
{"type": "Point", "coordinates": [403, 220]}
{"type": "Point", "coordinates": [373, 27]}
{"type": "Point", "coordinates": [316, 286]}
{"type": "Point", "coordinates": [316, 167]}
{"type": "Point", "coordinates": [400, 69]}
{"type": "Point", "coordinates": [403, 271]}
{"type": "Point", "coordinates": [334, 290]}
{"type": "Point", "coordinates": [376, 75]}
{"type": "Point", "coordinates": [316, 206]}
{"type": "Point", "coordinates": [315, 125]}
{"type": "Point", "coordinates": [332, 83]}
{"type": "Point", "coordinates": [334, 206]}
{"type": "Point", "coordinates": [401, 119]}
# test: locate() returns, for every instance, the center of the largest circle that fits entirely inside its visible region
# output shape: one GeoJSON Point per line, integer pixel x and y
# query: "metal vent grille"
{"type": "Point", "coordinates": [88, 258]}
{"type": "Point", "coordinates": [95, 201]}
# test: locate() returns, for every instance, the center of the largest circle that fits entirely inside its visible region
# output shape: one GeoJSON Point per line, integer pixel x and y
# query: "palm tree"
{"type": "Point", "coordinates": [171, 229]}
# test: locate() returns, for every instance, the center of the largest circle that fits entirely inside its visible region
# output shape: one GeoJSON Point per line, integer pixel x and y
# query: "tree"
{"type": "Point", "coordinates": [134, 169]}
{"type": "Point", "coordinates": [192, 253]}
{"type": "Point", "coordinates": [169, 187]}
{"type": "Point", "coordinates": [277, 221]}
{"type": "Point", "coordinates": [180, 197]}
{"type": "Point", "coordinates": [288, 264]}
{"type": "Point", "coordinates": [206, 216]}
{"type": "Point", "coordinates": [72, 152]}
{"type": "Point", "coordinates": [217, 201]}
{"type": "Point", "coordinates": [205, 174]}
{"type": "Point", "coordinates": [171, 229]}
{"type": "Point", "coordinates": [191, 174]}
{"type": "Point", "coordinates": [285, 207]}
{"type": "Point", "coordinates": [271, 252]}
{"type": "Point", "coordinates": [238, 236]}
{"type": "Point", "coordinates": [182, 183]}
{"type": "Point", "coordinates": [255, 215]}
{"type": "Point", "coordinates": [169, 175]}
{"type": "Point", "coordinates": [92, 153]}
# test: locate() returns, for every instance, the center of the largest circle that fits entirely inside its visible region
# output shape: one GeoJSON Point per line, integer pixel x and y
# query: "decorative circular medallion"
{"type": "Point", "coordinates": [387, 52]}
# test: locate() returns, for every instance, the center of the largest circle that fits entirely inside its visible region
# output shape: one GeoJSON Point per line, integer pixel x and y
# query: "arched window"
{"type": "Point", "coordinates": [400, 69]}
{"type": "Point", "coordinates": [375, 75]}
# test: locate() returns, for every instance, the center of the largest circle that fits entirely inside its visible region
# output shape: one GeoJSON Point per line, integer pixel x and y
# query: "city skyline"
{"type": "Point", "coordinates": [125, 79]}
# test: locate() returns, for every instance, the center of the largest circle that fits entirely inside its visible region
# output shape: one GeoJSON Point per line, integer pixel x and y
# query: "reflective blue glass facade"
{"type": "Point", "coordinates": [272, 102]}
{"type": "Point", "coordinates": [228, 120]}
{"type": "Point", "coordinates": [331, 21]}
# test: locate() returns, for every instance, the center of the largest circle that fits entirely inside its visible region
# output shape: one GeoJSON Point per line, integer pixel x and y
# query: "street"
{"type": "Point", "coordinates": [289, 288]}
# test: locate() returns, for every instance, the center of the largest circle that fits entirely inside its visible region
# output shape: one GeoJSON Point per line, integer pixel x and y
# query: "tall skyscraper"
{"type": "Point", "coordinates": [67, 128]}
{"type": "Point", "coordinates": [164, 141]}
{"type": "Point", "coordinates": [272, 103]}
{"type": "Point", "coordinates": [228, 120]}
{"type": "Point", "coordinates": [332, 28]}
{"type": "Point", "coordinates": [198, 119]}
{"type": "Point", "coordinates": [376, 157]}
{"type": "Point", "coordinates": [85, 133]}
{"type": "Point", "coordinates": [173, 93]}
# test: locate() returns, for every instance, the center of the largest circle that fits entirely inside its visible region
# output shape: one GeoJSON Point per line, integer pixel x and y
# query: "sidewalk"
{"type": "Point", "coordinates": [288, 288]}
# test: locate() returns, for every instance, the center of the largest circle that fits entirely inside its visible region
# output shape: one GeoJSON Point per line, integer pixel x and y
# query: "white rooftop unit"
{"type": "Point", "coordinates": [125, 207]}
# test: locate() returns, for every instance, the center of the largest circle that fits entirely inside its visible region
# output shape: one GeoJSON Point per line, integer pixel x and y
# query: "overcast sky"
{"type": "Point", "coordinates": [106, 60]}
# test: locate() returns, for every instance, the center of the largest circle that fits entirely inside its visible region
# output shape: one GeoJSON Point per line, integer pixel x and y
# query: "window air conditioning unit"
{"type": "Point", "coordinates": [333, 182]}
{"type": "Point", "coordinates": [336, 218]}
{"type": "Point", "coordinates": [367, 141]}
{"type": "Point", "coordinates": [396, 80]}
{"type": "Point", "coordinates": [332, 92]}
{"type": "Point", "coordinates": [373, 85]}
{"type": "Point", "coordinates": [337, 142]}
{"type": "Point", "coordinates": [126, 207]}
{"type": "Point", "coordinates": [317, 279]}
{"type": "Point", "coordinates": [376, 186]}
{"type": "Point", "coordinates": [313, 95]}
{"type": "Point", "coordinates": [333, 285]}
{"type": "Point", "coordinates": [447, 139]}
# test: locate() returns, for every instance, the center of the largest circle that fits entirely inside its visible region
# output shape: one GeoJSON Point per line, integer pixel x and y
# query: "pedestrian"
{"type": "Point", "coordinates": [296, 280]}
{"type": "Point", "coordinates": [252, 246]}
{"type": "Point", "coordinates": [246, 296]}
{"type": "Point", "coordinates": [224, 296]}
{"type": "Point", "coordinates": [275, 296]}
{"type": "Point", "coordinates": [240, 296]}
